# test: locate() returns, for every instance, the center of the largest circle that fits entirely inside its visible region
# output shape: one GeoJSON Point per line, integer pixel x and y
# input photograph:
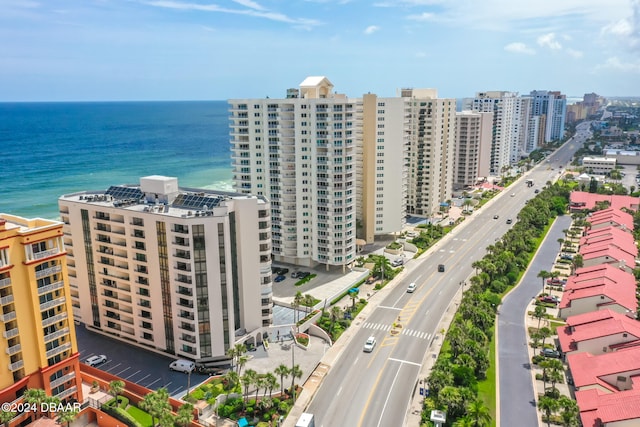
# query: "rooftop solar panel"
{"type": "Point", "coordinates": [119, 192]}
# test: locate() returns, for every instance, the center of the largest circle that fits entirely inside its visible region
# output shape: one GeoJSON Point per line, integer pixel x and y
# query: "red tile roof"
{"type": "Point", "coordinates": [610, 253]}
{"type": "Point", "coordinates": [607, 235]}
{"type": "Point", "coordinates": [597, 407]}
{"type": "Point", "coordinates": [608, 271]}
{"type": "Point", "coordinates": [622, 295]}
{"type": "Point", "coordinates": [597, 324]}
{"type": "Point", "coordinates": [584, 200]}
{"type": "Point", "coordinates": [602, 370]}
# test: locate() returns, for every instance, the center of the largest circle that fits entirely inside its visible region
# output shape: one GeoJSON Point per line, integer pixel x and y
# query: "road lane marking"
{"type": "Point", "coordinates": [404, 361]}
{"type": "Point", "coordinates": [339, 391]}
{"type": "Point", "coordinates": [388, 395]}
{"type": "Point", "coordinates": [389, 308]}
{"type": "Point", "coordinates": [375, 385]}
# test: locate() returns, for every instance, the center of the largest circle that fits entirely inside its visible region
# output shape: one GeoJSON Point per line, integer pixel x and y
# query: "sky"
{"type": "Point", "coordinates": [109, 50]}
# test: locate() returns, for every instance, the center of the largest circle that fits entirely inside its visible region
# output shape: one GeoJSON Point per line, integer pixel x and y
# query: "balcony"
{"type": "Point", "coordinates": [48, 271]}
{"type": "Point", "coordinates": [63, 379]}
{"type": "Point", "coordinates": [183, 255]}
{"type": "Point", "coordinates": [188, 338]}
{"type": "Point", "coordinates": [52, 287]}
{"type": "Point", "coordinates": [66, 392]}
{"type": "Point", "coordinates": [51, 320]}
{"type": "Point", "coordinates": [5, 282]}
{"type": "Point", "coordinates": [59, 349]}
{"type": "Point", "coordinates": [14, 349]}
{"type": "Point", "coordinates": [6, 300]}
{"type": "Point", "coordinates": [46, 254]}
{"type": "Point", "coordinates": [16, 365]}
{"type": "Point", "coordinates": [186, 315]}
{"type": "Point", "coordinates": [56, 334]}
{"type": "Point", "coordinates": [8, 316]}
{"type": "Point", "coordinates": [53, 303]}
{"type": "Point", "coordinates": [10, 333]}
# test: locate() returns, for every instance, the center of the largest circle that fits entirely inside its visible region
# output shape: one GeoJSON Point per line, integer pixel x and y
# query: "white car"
{"type": "Point", "coordinates": [370, 344]}
{"type": "Point", "coordinates": [411, 287]}
{"type": "Point", "coordinates": [96, 360]}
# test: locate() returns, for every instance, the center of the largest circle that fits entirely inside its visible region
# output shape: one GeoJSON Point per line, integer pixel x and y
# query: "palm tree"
{"type": "Point", "coordinates": [353, 294]}
{"type": "Point", "coordinates": [335, 315]}
{"type": "Point", "coordinates": [67, 416]}
{"type": "Point", "coordinates": [6, 416]}
{"type": "Point", "coordinates": [548, 405]}
{"type": "Point", "coordinates": [295, 372]}
{"type": "Point", "coordinates": [544, 334]}
{"type": "Point", "coordinates": [544, 275]}
{"type": "Point", "coordinates": [297, 300]}
{"type": "Point", "coordinates": [569, 412]}
{"type": "Point", "coordinates": [479, 413]}
{"type": "Point", "coordinates": [270, 382]}
{"type": "Point", "coordinates": [34, 397]}
{"type": "Point", "coordinates": [465, 421]}
{"type": "Point", "coordinates": [248, 379]}
{"type": "Point", "coordinates": [539, 313]}
{"type": "Point", "coordinates": [231, 378]}
{"type": "Point", "coordinates": [184, 415]}
{"type": "Point", "coordinates": [308, 301]}
{"type": "Point", "coordinates": [260, 383]}
{"type": "Point", "coordinates": [115, 388]}
{"type": "Point", "coordinates": [156, 403]}
{"type": "Point", "coordinates": [50, 402]}
{"type": "Point", "coordinates": [242, 360]}
{"type": "Point", "coordinates": [282, 371]}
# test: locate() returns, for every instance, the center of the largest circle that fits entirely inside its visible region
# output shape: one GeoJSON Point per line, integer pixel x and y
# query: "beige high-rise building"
{"type": "Point", "coordinates": [178, 270]}
{"type": "Point", "coordinates": [39, 348]}
{"type": "Point", "coordinates": [331, 166]}
{"type": "Point", "coordinates": [473, 147]}
{"type": "Point", "coordinates": [430, 128]}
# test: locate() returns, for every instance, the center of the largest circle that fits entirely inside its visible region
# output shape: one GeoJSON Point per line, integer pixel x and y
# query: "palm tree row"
{"type": "Point", "coordinates": [267, 382]}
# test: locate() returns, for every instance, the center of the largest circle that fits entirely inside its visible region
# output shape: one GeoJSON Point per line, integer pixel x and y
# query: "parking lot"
{"type": "Point", "coordinates": [133, 364]}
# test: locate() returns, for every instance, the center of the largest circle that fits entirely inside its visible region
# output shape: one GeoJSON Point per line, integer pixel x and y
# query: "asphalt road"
{"type": "Point", "coordinates": [374, 389]}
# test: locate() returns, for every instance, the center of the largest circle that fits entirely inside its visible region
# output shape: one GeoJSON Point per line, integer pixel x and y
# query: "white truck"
{"type": "Point", "coordinates": [306, 420]}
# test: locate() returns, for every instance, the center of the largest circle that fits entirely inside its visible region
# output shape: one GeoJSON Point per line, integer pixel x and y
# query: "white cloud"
{"type": "Point", "coordinates": [549, 40]}
{"type": "Point", "coordinates": [371, 29]}
{"type": "Point", "coordinates": [574, 53]}
{"type": "Point", "coordinates": [260, 13]}
{"type": "Point", "coordinates": [614, 63]}
{"type": "Point", "coordinates": [407, 3]}
{"type": "Point", "coordinates": [250, 4]}
{"type": "Point", "coordinates": [518, 47]}
{"type": "Point", "coordinates": [425, 16]}
{"type": "Point", "coordinates": [627, 28]}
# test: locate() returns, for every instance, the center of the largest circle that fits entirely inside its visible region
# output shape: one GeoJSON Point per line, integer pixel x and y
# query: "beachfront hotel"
{"type": "Point", "coordinates": [337, 168]}
{"type": "Point", "coordinates": [180, 271]}
{"type": "Point", "coordinates": [39, 349]}
{"type": "Point", "coordinates": [473, 147]}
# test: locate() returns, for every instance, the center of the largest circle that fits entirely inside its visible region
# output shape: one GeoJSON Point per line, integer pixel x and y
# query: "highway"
{"type": "Point", "coordinates": [374, 389]}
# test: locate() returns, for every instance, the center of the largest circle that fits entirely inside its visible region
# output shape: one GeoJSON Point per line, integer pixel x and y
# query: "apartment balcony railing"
{"type": "Point", "coordinates": [14, 349]}
{"type": "Point", "coordinates": [46, 254]}
{"type": "Point", "coordinates": [59, 349]}
{"type": "Point", "coordinates": [10, 333]}
{"type": "Point", "coordinates": [6, 300]}
{"type": "Point", "coordinates": [63, 379]}
{"type": "Point", "coordinates": [51, 320]}
{"type": "Point", "coordinates": [47, 305]}
{"type": "Point", "coordinates": [5, 282]}
{"type": "Point", "coordinates": [16, 365]}
{"type": "Point", "coordinates": [66, 392]}
{"type": "Point", "coordinates": [8, 316]}
{"type": "Point", "coordinates": [51, 287]}
{"type": "Point", "coordinates": [56, 334]}
{"type": "Point", "coordinates": [48, 271]}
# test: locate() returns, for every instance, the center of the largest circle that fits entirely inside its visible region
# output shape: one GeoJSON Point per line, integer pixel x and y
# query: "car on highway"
{"type": "Point", "coordinates": [549, 352]}
{"type": "Point", "coordinates": [96, 360]}
{"type": "Point", "coordinates": [537, 190]}
{"type": "Point", "coordinates": [496, 216]}
{"type": "Point", "coordinates": [440, 268]}
{"type": "Point", "coordinates": [513, 194]}
{"type": "Point", "coordinates": [369, 344]}
{"type": "Point", "coordinates": [411, 287]}
{"type": "Point", "coordinates": [509, 221]}
{"type": "Point", "coordinates": [279, 278]}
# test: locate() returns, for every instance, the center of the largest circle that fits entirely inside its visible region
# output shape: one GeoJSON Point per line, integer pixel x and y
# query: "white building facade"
{"type": "Point", "coordinates": [472, 148]}
{"type": "Point", "coordinates": [180, 271]}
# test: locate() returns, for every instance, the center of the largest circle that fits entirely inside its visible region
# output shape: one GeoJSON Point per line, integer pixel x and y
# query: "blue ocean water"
{"type": "Point", "coordinates": [51, 149]}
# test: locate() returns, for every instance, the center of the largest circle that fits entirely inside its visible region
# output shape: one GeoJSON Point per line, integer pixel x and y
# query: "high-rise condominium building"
{"type": "Point", "coordinates": [177, 270]}
{"type": "Point", "coordinates": [472, 148]}
{"type": "Point", "coordinates": [331, 166]}
{"type": "Point", "coordinates": [39, 348]}
{"type": "Point", "coordinates": [506, 122]}
{"type": "Point", "coordinates": [430, 126]}
{"type": "Point", "coordinates": [553, 106]}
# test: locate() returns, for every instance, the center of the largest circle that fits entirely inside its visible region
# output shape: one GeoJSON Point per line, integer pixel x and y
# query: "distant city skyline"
{"type": "Point", "coordinates": [107, 50]}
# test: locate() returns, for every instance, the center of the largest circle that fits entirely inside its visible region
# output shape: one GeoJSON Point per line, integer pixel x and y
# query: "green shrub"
{"type": "Point", "coordinates": [122, 415]}
{"type": "Point", "coordinates": [144, 418]}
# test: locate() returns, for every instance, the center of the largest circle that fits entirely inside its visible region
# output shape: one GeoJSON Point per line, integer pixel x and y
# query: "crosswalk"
{"type": "Point", "coordinates": [404, 331]}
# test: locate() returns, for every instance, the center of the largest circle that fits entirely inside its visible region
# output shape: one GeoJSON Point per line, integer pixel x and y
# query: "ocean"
{"type": "Point", "coordinates": [51, 149]}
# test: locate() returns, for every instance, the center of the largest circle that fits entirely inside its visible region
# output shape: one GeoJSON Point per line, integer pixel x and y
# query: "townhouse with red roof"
{"type": "Point", "coordinates": [599, 332]}
{"type": "Point", "coordinates": [597, 294]}
{"type": "Point", "coordinates": [606, 235]}
{"type": "Point", "coordinates": [582, 200]}
{"type": "Point", "coordinates": [598, 409]}
{"type": "Point", "coordinates": [617, 255]}
{"type": "Point", "coordinates": [606, 271]}
{"type": "Point", "coordinates": [610, 218]}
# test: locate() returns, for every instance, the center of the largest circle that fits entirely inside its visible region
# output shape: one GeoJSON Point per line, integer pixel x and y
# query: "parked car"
{"type": "Point", "coordinates": [282, 271]}
{"type": "Point", "coordinates": [568, 257]}
{"type": "Point", "coordinates": [279, 278]}
{"type": "Point", "coordinates": [369, 344]}
{"type": "Point", "coordinates": [303, 274]}
{"type": "Point", "coordinates": [96, 360]}
{"type": "Point", "coordinates": [182, 365]}
{"type": "Point", "coordinates": [294, 275]}
{"type": "Point", "coordinates": [397, 262]}
{"type": "Point", "coordinates": [556, 281]}
{"type": "Point", "coordinates": [549, 352]}
{"type": "Point", "coordinates": [551, 299]}
{"type": "Point", "coordinates": [371, 279]}
{"type": "Point", "coordinates": [411, 287]}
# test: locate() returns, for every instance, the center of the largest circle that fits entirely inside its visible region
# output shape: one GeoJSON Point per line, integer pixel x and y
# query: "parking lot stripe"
{"type": "Point", "coordinates": [124, 370]}
{"type": "Point", "coordinates": [143, 378]}
{"type": "Point", "coordinates": [149, 385]}
{"type": "Point", "coordinates": [113, 367]}
{"type": "Point", "coordinates": [132, 374]}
